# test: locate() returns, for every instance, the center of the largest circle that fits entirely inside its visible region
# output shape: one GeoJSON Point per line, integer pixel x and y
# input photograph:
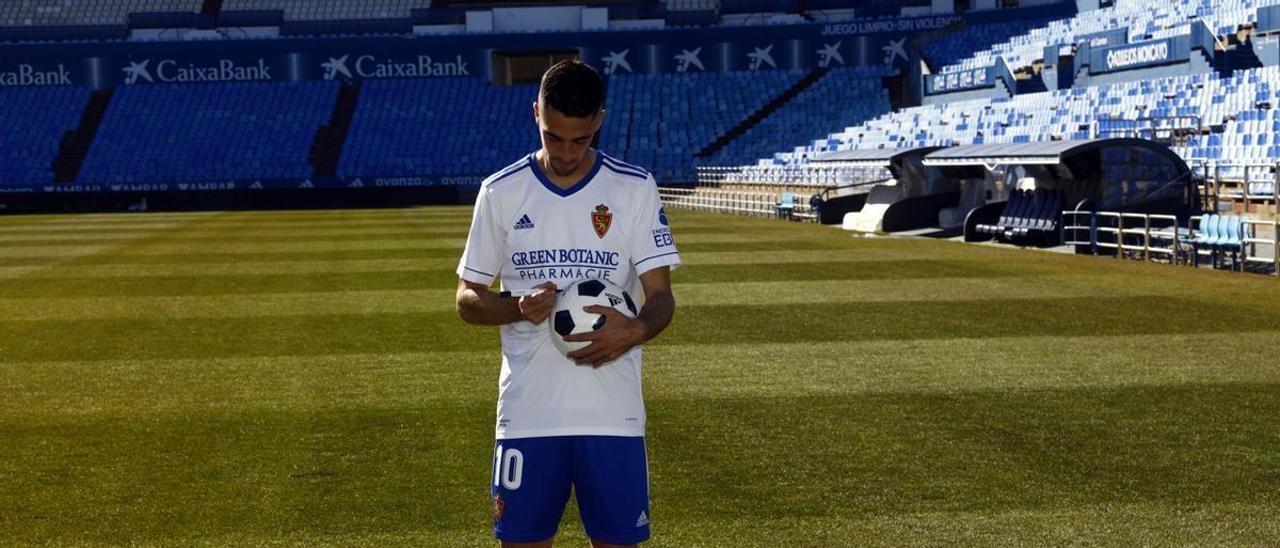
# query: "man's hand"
{"type": "Point", "coordinates": [536, 306]}
{"type": "Point", "coordinates": [618, 335]}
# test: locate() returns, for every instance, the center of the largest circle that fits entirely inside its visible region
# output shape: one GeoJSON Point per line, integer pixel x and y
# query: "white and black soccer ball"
{"type": "Point", "coordinates": [569, 318]}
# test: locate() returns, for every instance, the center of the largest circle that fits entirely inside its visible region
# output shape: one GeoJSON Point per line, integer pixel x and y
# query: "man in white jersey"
{"type": "Point", "coordinates": [564, 213]}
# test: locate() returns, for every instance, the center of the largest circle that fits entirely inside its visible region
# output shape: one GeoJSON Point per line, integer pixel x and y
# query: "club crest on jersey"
{"type": "Point", "coordinates": [498, 506]}
{"type": "Point", "coordinates": [601, 219]}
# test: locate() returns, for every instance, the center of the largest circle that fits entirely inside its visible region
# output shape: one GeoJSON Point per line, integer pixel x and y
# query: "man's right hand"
{"type": "Point", "coordinates": [537, 306]}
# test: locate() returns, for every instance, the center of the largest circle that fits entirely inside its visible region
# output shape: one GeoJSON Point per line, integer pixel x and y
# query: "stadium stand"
{"type": "Point", "coordinates": [1232, 118]}
{"type": "Point", "coordinates": [662, 120]}
{"type": "Point", "coordinates": [948, 51]}
{"type": "Point", "coordinates": [30, 143]}
{"type": "Point", "coordinates": [408, 126]}
{"type": "Point", "coordinates": [692, 5]}
{"type": "Point", "coordinates": [208, 132]}
{"type": "Point", "coordinates": [22, 13]}
{"type": "Point", "coordinates": [846, 93]}
{"type": "Point", "coordinates": [331, 10]}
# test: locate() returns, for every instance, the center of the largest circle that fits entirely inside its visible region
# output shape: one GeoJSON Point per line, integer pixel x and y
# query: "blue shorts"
{"type": "Point", "coordinates": [532, 478]}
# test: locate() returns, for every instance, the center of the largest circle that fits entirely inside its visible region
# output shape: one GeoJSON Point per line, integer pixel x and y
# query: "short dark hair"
{"type": "Point", "coordinates": [573, 88]}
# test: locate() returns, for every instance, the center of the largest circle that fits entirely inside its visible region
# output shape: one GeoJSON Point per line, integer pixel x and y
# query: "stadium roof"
{"type": "Point", "coordinates": [873, 157]}
{"type": "Point", "coordinates": [1044, 153]}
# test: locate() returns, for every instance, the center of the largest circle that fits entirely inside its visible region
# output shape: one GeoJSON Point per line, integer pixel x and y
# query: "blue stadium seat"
{"type": "Point", "coordinates": [35, 120]}
{"type": "Point", "coordinates": [208, 132]}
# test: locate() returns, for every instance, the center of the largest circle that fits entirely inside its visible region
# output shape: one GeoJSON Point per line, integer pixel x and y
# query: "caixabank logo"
{"type": "Point", "coordinates": [345, 67]}
{"type": "Point", "coordinates": [26, 74]}
{"type": "Point", "coordinates": [150, 71]}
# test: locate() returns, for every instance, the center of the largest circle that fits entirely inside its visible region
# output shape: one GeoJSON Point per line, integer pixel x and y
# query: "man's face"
{"type": "Point", "coordinates": [565, 140]}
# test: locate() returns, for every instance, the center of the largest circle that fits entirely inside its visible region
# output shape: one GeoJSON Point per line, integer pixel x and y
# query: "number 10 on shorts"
{"type": "Point", "coordinates": [508, 468]}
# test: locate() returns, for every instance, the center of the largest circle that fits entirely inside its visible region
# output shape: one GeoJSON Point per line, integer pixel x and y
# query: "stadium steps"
{"type": "Point", "coordinates": [759, 115]}
{"type": "Point", "coordinates": [326, 148]}
{"type": "Point", "coordinates": [75, 143]}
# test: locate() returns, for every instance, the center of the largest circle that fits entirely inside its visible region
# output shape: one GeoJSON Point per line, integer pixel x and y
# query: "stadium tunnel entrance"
{"type": "Point", "coordinates": [1017, 192]}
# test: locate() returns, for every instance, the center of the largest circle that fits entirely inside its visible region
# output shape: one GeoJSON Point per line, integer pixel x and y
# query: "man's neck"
{"type": "Point", "coordinates": [567, 181]}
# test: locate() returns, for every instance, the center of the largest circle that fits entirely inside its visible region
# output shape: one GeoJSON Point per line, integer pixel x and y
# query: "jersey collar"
{"type": "Point", "coordinates": [565, 192]}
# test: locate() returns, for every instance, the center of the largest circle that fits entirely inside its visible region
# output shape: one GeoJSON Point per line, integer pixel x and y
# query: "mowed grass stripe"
{"type": "Point", "coordinates": [795, 293]}
{"type": "Point", "coordinates": [241, 283]}
{"type": "Point", "coordinates": [120, 257]}
{"type": "Point", "coordinates": [1104, 524]}
{"type": "Point", "coordinates": [59, 229]}
{"type": "Point", "coordinates": [132, 388]}
{"type": "Point", "coordinates": [446, 262]}
{"type": "Point", "coordinates": [249, 246]}
{"type": "Point", "coordinates": [1071, 316]}
{"type": "Point", "coordinates": [318, 334]}
{"type": "Point", "coordinates": [204, 231]}
{"type": "Point", "coordinates": [881, 454]}
{"type": "Point", "coordinates": [175, 269]}
{"type": "Point", "coordinates": [228, 284]}
{"type": "Point", "coordinates": [186, 477]}
{"type": "Point", "coordinates": [461, 223]}
{"type": "Point", "coordinates": [248, 237]}
{"type": "Point", "coordinates": [957, 365]}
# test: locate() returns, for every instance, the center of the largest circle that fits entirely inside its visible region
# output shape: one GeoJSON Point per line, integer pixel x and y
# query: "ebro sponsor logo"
{"type": "Point", "coordinates": [368, 66]}
{"type": "Point", "coordinates": [1151, 53]}
{"type": "Point", "coordinates": [27, 75]}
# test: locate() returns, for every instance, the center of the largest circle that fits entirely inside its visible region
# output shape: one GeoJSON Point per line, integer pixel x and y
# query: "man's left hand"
{"type": "Point", "coordinates": [618, 335]}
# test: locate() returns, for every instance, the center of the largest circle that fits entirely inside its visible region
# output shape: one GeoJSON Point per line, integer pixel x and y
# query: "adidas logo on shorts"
{"type": "Point", "coordinates": [524, 222]}
{"type": "Point", "coordinates": [643, 520]}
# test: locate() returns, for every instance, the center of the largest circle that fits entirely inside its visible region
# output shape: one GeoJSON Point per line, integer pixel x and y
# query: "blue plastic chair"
{"type": "Point", "coordinates": [1208, 231]}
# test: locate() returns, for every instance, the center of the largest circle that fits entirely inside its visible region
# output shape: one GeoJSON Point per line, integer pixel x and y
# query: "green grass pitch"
{"type": "Point", "coordinates": [301, 378]}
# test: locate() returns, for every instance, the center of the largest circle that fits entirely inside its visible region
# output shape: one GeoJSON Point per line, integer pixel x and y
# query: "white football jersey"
{"type": "Point", "coordinates": [525, 231]}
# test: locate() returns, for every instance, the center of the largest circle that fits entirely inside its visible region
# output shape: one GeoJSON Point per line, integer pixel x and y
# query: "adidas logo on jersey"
{"type": "Point", "coordinates": [524, 223]}
{"type": "Point", "coordinates": [643, 520]}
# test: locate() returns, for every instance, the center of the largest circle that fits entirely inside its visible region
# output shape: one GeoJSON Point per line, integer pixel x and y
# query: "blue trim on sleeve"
{"type": "Point", "coordinates": [625, 165]}
{"type": "Point", "coordinates": [503, 175]}
{"type": "Point", "coordinates": [621, 171]}
{"type": "Point", "coordinates": [637, 263]}
{"type": "Point", "coordinates": [478, 272]}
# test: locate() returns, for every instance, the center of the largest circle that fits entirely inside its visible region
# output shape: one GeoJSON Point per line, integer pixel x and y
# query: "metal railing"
{"type": "Point", "coordinates": [1157, 237]}
{"type": "Point", "coordinates": [1139, 235]}
{"type": "Point", "coordinates": [736, 202]}
{"type": "Point", "coordinates": [1073, 231]}
{"type": "Point", "coordinates": [809, 176]}
{"type": "Point", "coordinates": [1251, 240]}
{"type": "Point", "coordinates": [1172, 130]}
{"type": "Point", "coordinates": [1247, 184]}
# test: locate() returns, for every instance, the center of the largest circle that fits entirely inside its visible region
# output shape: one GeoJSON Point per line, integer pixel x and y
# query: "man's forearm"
{"type": "Point", "coordinates": [656, 314]}
{"type": "Point", "coordinates": [484, 307]}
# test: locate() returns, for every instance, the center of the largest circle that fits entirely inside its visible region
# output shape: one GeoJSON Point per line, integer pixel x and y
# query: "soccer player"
{"type": "Point", "coordinates": [565, 213]}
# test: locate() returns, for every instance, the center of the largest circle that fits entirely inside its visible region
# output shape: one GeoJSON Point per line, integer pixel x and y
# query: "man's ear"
{"type": "Point", "coordinates": [600, 119]}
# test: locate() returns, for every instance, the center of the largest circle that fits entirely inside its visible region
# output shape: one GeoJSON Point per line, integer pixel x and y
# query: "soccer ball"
{"type": "Point", "coordinates": [569, 318]}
